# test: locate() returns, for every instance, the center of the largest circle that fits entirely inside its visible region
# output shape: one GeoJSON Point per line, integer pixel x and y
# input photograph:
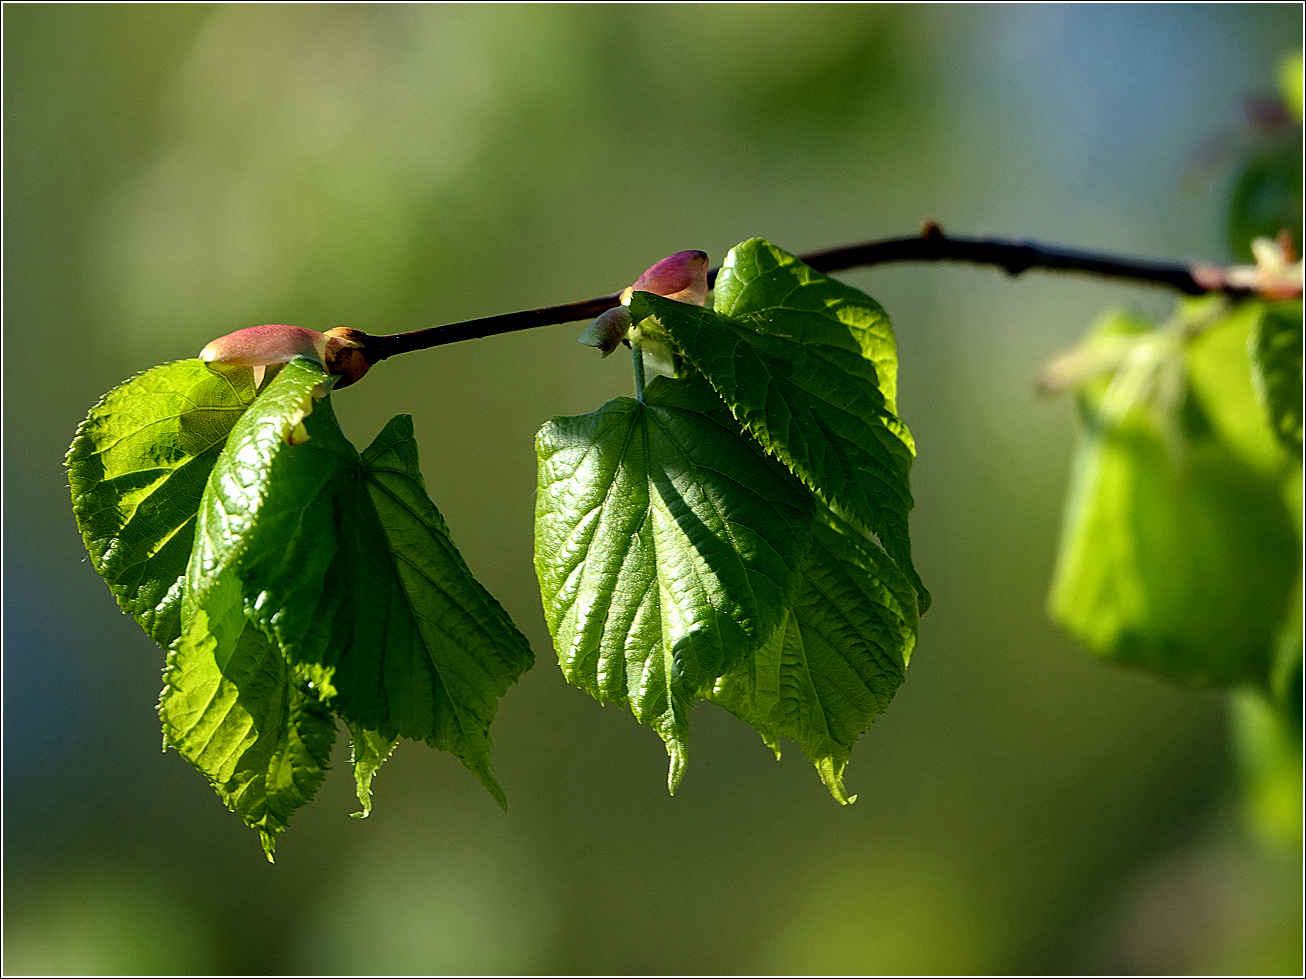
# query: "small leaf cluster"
{"type": "Point", "coordinates": [1181, 545]}
{"type": "Point", "coordinates": [716, 538]}
{"type": "Point", "coordinates": [1181, 550]}
{"type": "Point", "coordinates": [292, 580]}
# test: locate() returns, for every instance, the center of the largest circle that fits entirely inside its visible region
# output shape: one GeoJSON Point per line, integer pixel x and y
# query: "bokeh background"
{"type": "Point", "coordinates": [174, 173]}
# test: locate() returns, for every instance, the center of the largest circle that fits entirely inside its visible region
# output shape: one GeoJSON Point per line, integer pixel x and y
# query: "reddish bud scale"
{"type": "Point", "coordinates": [682, 277]}
{"type": "Point", "coordinates": [259, 346]}
{"type": "Point", "coordinates": [340, 351]}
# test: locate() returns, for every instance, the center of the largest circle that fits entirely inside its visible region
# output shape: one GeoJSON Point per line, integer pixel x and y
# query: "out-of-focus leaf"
{"type": "Point", "coordinates": [345, 565]}
{"type": "Point", "coordinates": [839, 657]}
{"type": "Point", "coordinates": [1276, 370]}
{"type": "Point", "coordinates": [809, 367]}
{"type": "Point", "coordinates": [1180, 557]}
{"type": "Point", "coordinates": [1290, 84]}
{"type": "Point", "coordinates": [1269, 750]}
{"type": "Point", "coordinates": [1267, 197]}
{"type": "Point", "coordinates": [666, 545]}
{"type": "Point", "coordinates": [137, 468]}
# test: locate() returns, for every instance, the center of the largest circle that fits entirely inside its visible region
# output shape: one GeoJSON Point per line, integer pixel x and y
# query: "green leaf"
{"type": "Point", "coordinates": [1268, 747]}
{"type": "Point", "coordinates": [243, 718]}
{"type": "Point", "coordinates": [808, 366]}
{"type": "Point", "coordinates": [369, 750]}
{"type": "Point", "coordinates": [137, 468]}
{"type": "Point", "coordinates": [1276, 370]}
{"type": "Point", "coordinates": [1267, 196]}
{"type": "Point", "coordinates": [1180, 558]}
{"type": "Point", "coordinates": [838, 659]}
{"type": "Point", "coordinates": [1219, 366]}
{"type": "Point", "coordinates": [666, 545]}
{"type": "Point", "coordinates": [347, 567]}
{"type": "Point", "coordinates": [1286, 680]}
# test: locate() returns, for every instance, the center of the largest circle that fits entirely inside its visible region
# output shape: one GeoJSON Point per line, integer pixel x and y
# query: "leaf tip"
{"type": "Point", "coordinates": [831, 773]}
{"type": "Point", "coordinates": [676, 767]}
{"type": "Point", "coordinates": [492, 785]}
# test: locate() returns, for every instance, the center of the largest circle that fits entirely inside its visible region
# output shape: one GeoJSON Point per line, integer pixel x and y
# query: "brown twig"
{"type": "Point", "coordinates": [931, 245]}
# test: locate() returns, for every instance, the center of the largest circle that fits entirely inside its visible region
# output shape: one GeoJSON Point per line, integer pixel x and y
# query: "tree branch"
{"type": "Point", "coordinates": [931, 245]}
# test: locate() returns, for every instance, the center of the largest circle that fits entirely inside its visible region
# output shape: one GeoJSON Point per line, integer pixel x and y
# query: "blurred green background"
{"type": "Point", "coordinates": [174, 173]}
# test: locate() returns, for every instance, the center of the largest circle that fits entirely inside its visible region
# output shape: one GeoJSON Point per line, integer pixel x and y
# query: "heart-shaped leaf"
{"type": "Point", "coordinates": [666, 545]}
{"type": "Point", "coordinates": [1179, 550]}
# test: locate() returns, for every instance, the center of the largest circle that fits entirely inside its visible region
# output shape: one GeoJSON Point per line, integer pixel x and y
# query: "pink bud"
{"type": "Point", "coordinates": [608, 330]}
{"type": "Point", "coordinates": [682, 277]}
{"type": "Point", "coordinates": [258, 346]}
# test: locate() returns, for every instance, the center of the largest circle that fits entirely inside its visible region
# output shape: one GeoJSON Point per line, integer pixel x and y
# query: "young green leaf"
{"type": "Point", "coordinates": [808, 366]}
{"type": "Point", "coordinates": [1180, 557]}
{"type": "Point", "coordinates": [1268, 749]}
{"type": "Point", "coordinates": [369, 750]}
{"type": "Point", "coordinates": [1276, 369]}
{"type": "Point", "coordinates": [346, 565]}
{"type": "Point", "coordinates": [666, 545]}
{"type": "Point", "coordinates": [241, 716]}
{"type": "Point", "coordinates": [1221, 370]}
{"type": "Point", "coordinates": [137, 469]}
{"type": "Point", "coordinates": [839, 657]}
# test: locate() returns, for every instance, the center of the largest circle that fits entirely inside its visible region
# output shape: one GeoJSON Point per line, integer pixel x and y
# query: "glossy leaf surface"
{"type": "Point", "coordinates": [666, 548]}
{"type": "Point", "coordinates": [839, 657]}
{"type": "Point", "coordinates": [346, 567]}
{"type": "Point", "coordinates": [137, 468]}
{"type": "Point", "coordinates": [241, 716]}
{"type": "Point", "coordinates": [808, 366]}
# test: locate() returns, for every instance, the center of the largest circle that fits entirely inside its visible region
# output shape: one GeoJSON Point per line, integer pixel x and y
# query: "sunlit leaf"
{"type": "Point", "coordinates": [808, 366]}
{"type": "Point", "coordinates": [368, 750]}
{"type": "Point", "coordinates": [1268, 747]}
{"type": "Point", "coordinates": [666, 545]}
{"type": "Point", "coordinates": [137, 468]}
{"type": "Point", "coordinates": [1219, 364]}
{"type": "Point", "coordinates": [346, 566]}
{"type": "Point", "coordinates": [247, 721]}
{"type": "Point", "coordinates": [839, 657]}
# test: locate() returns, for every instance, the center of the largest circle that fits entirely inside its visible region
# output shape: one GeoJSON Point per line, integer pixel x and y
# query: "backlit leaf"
{"type": "Point", "coordinates": [839, 657]}
{"type": "Point", "coordinates": [808, 366]}
{"type": "Point", "coordinates": [666, 545]}
{"type": "Point", "coordinates": [345, 565]}
{"type": "Point", "coordinates": [1180, 556]}
{"type": "Point", "coordinates": [242, 717]}
{"type": "Point", "coordinates": [1276, 365]}
{"type": "Point", "coordinates": [137, 468]}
